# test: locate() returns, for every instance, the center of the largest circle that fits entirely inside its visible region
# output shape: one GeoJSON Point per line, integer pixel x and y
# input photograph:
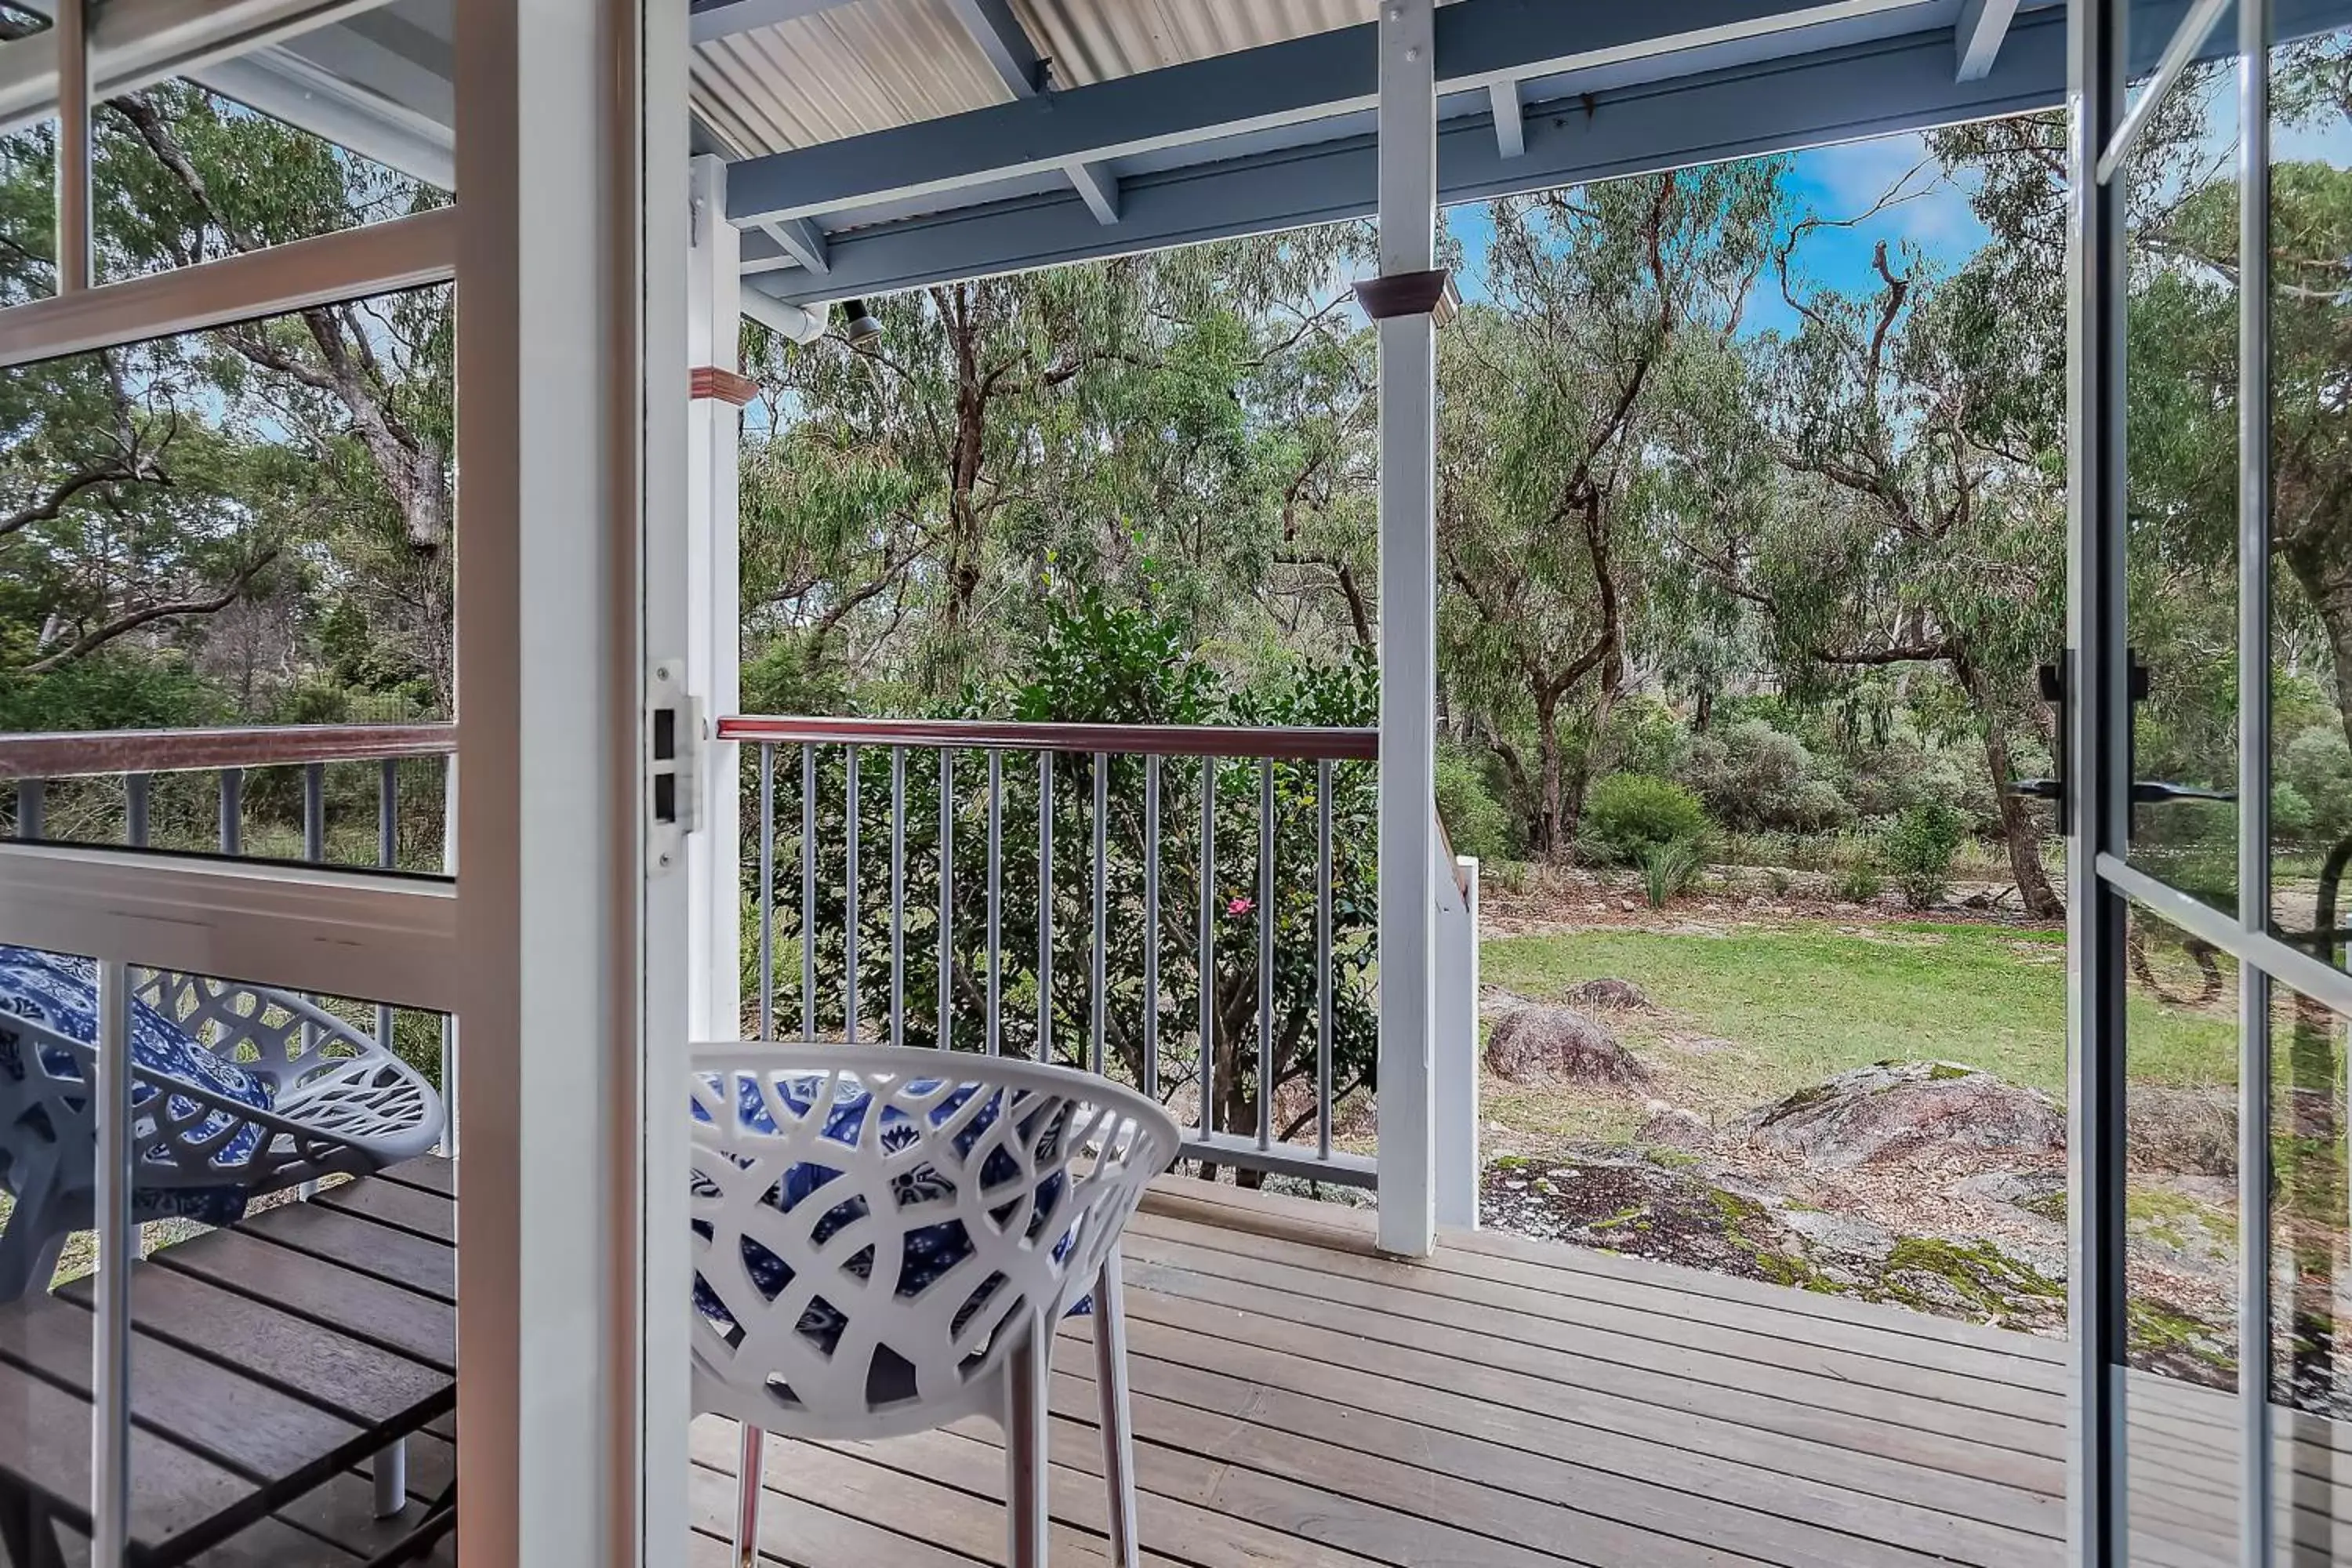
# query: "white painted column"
{"type": "Point", "coordinates": [1408, 222]}
{"type": "Point", "coordinates": [1454, 1101]}
{"type": "Point", "coordinates": [714, 637]}
{"type": "Point", "coordinates": [572, 1264]}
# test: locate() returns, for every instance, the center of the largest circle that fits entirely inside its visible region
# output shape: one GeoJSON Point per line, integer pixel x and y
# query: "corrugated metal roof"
{"type": "Point", "coordinates": [857, 68]}
{"type": "Point", "coordinates": [1093, 40]}
{"type": "Point", "coordinates": [873, 64]}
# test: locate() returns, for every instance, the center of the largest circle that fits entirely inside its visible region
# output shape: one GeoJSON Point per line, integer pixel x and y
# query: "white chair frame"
{"type": "Point", "coordinates": [978, 1339]}
{"type": "Point", "coordinates": [341, 1103]}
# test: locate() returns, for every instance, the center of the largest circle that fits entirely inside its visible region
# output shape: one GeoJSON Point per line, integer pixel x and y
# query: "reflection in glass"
{"type": "Point", "coordinates": [2311, 474]}
{"type": "Point", "coordinates": [2182, 476]}
{"type": "Point", "coordinates": [2180, 1244]}
{"type": "Point", "coordinates": [297, 1297]}
{"type": "Point", "coordinates": [2311, 1279]}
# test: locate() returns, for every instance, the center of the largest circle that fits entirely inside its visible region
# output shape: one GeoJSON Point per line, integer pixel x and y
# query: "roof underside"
{"type": "Point", "coordinates": [882, 144]}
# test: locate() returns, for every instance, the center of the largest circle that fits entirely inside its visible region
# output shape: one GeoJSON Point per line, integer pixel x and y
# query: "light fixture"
{"type": "Point", "coordinates": [863, 328]}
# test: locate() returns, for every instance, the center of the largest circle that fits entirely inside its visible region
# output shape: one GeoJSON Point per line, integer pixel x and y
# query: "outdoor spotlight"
{"type": "Point", "coordinates": [863, 327]}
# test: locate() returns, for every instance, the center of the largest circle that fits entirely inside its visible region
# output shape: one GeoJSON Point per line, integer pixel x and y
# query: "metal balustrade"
{"type": "Point", "coordinates": [82, 767]}
{"type": "Point", "coordinates": [1041, 878]}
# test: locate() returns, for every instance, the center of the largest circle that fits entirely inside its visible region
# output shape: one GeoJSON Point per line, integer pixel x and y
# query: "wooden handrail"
{"type": "Point", "coordinates": [1282, 743]}
{"type": "Point", "coordinates": [106, 752]}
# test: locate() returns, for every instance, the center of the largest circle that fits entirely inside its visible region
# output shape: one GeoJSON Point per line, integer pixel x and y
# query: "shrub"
{"type": "Point", "coordinates": [1858, 883]}
{"type": "Point", "coordinates": [1628, 815]}
{"type": "Point", "coordinates": [1920, 850]}
{"type": "Point", "coordinates": [1670, 868]}
{"type": "Point", "coordinates": [1475, 822]}
{"type": "Point", "coordinates": [2317, 768]}
{"type": "Point", "coordinates": [1751, 775]}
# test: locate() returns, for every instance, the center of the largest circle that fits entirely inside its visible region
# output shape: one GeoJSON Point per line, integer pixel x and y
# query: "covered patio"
{"type": "Point", "coordinates": [1315, 1384]}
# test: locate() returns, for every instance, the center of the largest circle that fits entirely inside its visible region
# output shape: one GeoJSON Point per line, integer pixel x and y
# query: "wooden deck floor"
{"type": "Point", "coordinates": [1301, 1400]}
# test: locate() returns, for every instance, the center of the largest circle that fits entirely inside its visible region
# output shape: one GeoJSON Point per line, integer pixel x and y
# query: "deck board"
{"type": "Point", "coordinates": [1302, 1399]}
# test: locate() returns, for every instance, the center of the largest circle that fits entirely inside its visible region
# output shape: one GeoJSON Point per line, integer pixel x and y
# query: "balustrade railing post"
{"type": "Point", "coordinates": [849, 901]}
{"type": "Point", "coordinates": [1266, 953]}
{"type": "Point", "coordinates": [808, 892]}
{"type": "Point", "coordinates": [135, 828]}
{"type": "Point", "coordinates": [1151, 925]}
{"type": "Point", "coordinates": [1208, 943]}
{"type": "Point", "coordinates": [947, 895]}
{"type": "Point", "coordinates": [232, 811]}
{"type": "Point", "coordinates": [995, 884]}
{"type": "Point", "coordinates": [32, 797]}
{"type": "Point", "coordinates": [898, 895]}
{"type": "Point", "coordinates": [1323, 959]}
{"type": "Point", "coordinates": [1101, 909]}
{"type": "Point", "coordinates": [767, 890]}
{"type": "Point", "coordinates": [1044, 906]}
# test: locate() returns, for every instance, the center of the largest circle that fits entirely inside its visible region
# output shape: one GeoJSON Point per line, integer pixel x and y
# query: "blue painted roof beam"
{"type": "Point", "coordinates": [802, 241]}
{"type": "Point", "coordinates": [1511, 119]}
{"type": "Point", "coordinates": [999, 36]}
{"type": "Point", "coordinates": [1834, 95]}
{"type": "Point", "coordinates": [1977, 37]}
{"type": "Point", "coordinates": [1099, 188]}
{"type": "Point", "coordinates": [1479, 42]}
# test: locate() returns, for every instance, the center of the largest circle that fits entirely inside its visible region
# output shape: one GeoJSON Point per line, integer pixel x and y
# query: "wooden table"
{"type": "Point", "coordinates": [269, 1358]}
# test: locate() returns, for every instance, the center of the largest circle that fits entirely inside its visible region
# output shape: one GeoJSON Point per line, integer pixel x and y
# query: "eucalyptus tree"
{"type": "Point", "coordinates": [1550, 396]}
{"type": "Point", "coordinates": [1197, 419]}
{"type": "Point", "coordinates": [145, 491]}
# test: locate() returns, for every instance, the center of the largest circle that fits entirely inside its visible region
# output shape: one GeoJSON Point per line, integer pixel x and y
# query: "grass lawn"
{"type": "Point", "coordinates": [1784, 1006]}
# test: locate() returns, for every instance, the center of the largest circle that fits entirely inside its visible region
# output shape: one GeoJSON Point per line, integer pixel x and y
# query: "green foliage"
{"type": "Point", "coordinates": [1752, 776]}
{"type": "Point", "coordinates": [1095, 661]}
{"type": "Point", "coordinates": [2316, 767]}
{"type": "Point", "coordinates": [1668, 869]}
{"type": "Point", "coordinates": [1477, 824]}
{"type": "Point", "coordinates": [1859, 881]}
{"type": "Point", "coordinates": [1920, 850]}
{"type": "Point", "coordinates": [1627, 816]}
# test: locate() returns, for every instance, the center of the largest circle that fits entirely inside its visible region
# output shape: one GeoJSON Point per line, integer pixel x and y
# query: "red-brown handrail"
{"type": "Point", "coordinates": [1282, 743]}
{"type": "Point", "coordinates": [103, 751]}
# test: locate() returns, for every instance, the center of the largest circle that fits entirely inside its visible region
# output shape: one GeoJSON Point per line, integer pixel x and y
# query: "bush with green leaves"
{"type": "Point", "coordinates": [1093, 662]}
{"type": "Point", "coordinates": [1857, 882]}
{"type": "Point", "coordinates": [1475, 822]}
{"type": "Point", "coordinates": [1751, 775]}
{"type": "Point", "coordinates": [1919, 850]}
{"type": "Point", "coordinates": [1627, 815]}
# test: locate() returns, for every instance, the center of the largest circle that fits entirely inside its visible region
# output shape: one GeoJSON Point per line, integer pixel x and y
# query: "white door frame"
{"type": "Point", "coordinates": [550, 947]}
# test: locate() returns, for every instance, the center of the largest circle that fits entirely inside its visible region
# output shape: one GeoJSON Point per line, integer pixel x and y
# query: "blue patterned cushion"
{"type": "Point", "coordinates": [930, 1251]}
{"type": "Point", "coordinates": [60, 992]}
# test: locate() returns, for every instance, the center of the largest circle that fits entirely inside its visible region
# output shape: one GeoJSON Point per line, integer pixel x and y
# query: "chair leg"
{"type": "Point", "coordinates": [747, 1497]}
{"type": "Point", "coordinates": [1027, 1375]}
{"type": "Point", "coordinates": [1118, 1429]}
{"type": "Point", "coordinates": [391, 1477]}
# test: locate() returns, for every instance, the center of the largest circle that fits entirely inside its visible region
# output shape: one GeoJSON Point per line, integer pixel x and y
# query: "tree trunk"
{"type": "Point", "coordinates": [1546, 839]}
{"type": "Point", "coordinates": [2019, 829]}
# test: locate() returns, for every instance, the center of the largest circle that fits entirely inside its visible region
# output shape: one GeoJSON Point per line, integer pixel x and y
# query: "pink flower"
{"type": "Point", "coordinates": [1239, 906]}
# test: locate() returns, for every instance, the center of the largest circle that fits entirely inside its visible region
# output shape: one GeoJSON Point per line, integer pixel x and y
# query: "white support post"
{"type": "Point", "coordinates": [1456, 1063]}
{"type": "Point", "coordinates": [570, 413]}
{"type": "Point", "coordinates": [1408, 561]}
{"type": "Point", "coordinates": [714, 621]}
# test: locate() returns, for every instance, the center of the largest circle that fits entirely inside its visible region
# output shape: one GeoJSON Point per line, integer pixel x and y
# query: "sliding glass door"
{"type": "Point", "coordinates": [2208, 711]}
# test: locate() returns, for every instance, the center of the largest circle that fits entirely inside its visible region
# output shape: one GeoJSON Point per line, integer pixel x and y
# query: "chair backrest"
{"type": "Point", "coordinates": [875, 1225]}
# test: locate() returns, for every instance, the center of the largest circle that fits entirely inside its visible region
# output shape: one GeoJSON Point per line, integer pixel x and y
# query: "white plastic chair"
{"type": "Point", "coordinates": [238, 1090]}
{"type": "Point", "coordinates": [885, 1239]}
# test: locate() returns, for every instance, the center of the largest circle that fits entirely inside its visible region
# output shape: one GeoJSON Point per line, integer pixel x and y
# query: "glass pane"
{"type": "Point", "coordinates": [28, 219]}
{"type": "Point", "coordinates": [2180, 1238]}
{"type": "Point", "coordinates": [2181, 476]}
{"type": "Point", "coordinates": [2311, 1282]}
{"type": "Point", "coordinates": [243, 529]}
{"type": "Point", "coordinates": [294, 1313]}
{"type": "Point", "coordinates": [2311, 646]}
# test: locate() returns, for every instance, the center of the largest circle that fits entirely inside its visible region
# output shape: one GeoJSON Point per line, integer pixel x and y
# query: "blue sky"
{"type": "Point", "coordinates": [1835, 183]}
